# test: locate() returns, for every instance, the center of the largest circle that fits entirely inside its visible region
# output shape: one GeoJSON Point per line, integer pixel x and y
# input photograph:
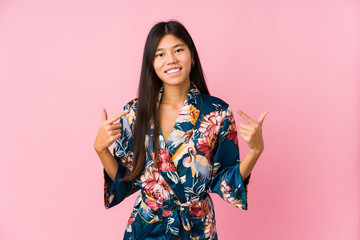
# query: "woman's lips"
{"type": "Point", "coordinates": [173, 71]}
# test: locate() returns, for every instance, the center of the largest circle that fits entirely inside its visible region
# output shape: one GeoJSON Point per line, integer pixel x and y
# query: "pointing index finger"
{"type": "Point", "coordinates": [118, 116]}
{"type": "Point", "coordinates": [262, 117]}
{"type": "Point", "coordinates": [244, 116]}
{"type": "Point", "coordinates": [104, 115]}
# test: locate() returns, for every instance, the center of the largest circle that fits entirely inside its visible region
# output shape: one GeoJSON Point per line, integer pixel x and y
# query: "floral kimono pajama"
{"type": "Point", "coordinates": [200, 156]}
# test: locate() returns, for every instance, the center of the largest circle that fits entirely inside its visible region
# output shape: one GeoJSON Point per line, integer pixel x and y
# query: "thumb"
{"type": "Point", "coordinates": [104, 115]}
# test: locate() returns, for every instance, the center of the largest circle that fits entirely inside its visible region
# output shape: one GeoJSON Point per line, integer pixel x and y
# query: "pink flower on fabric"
{"type": "Point", "coordinates": [199, 208]}
{"type": "Point", "coordinates": [127, 162]}
{"type": "Point", "coordinates": [165, 164]}
{"type": "Point", "coordinates": [131, 219]}
{"type": "Point", "coordinates": [154, 184]}
{"type": "Point", "coordinates": [153, 205]}
{"type": "Point", "coordinates": [166, 213]}
{"type": "Point", "coordinates": [209, 228]}
{"type": "Point", "coordinates": [211, 123]}
{"type": "Point", "coordinates": [226, 189]}
{"type": "Point", "coordinates": [206, 145]}
{"type": "Point", "coordinates": [108, 197]}
{"type": "Point", "coordinates": [232, 135]}
{"type": "Point", "coordinates": [209, 127]}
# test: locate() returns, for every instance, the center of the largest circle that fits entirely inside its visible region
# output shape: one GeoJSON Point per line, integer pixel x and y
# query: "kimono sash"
{"type": "Point", "coordinates": [179, 216]}
{"type": "Point", "coordinates": [179, 211]}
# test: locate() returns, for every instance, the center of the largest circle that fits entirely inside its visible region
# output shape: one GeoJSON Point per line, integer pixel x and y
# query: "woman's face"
{"type": "Point", "coordinates": [172, 62]}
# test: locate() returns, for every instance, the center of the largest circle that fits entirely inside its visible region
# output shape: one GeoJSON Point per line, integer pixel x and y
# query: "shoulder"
{"type": "Point", "coordinates": [212, 103]}
{"type": "Point", "coordinates": [131, 106]}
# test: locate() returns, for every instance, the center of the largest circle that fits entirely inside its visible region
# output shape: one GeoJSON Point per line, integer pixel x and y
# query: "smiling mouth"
{"type": "Point", "coordinates": [172, 71]}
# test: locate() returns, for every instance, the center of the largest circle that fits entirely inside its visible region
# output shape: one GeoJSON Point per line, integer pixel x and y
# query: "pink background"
{"type": "Point", "coordinates": [62, 61]}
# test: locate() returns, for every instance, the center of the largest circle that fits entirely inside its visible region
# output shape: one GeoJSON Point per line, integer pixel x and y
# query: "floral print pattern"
{"type": "Point", "coordinates": [201, 156]}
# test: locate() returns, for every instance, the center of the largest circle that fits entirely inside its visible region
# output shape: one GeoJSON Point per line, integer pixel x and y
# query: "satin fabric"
{"type": "Point", "coordinates": [200, 156]}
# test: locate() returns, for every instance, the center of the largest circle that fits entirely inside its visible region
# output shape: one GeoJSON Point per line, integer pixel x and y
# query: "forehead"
{"type": "Point", "coordinates": [169, 41]}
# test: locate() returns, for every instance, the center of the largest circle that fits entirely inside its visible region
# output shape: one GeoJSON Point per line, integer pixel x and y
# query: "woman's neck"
{"type": "Point", "coordinates": [175, 95]}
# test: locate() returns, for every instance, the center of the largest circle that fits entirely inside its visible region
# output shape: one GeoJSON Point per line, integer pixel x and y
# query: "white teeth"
{"type": "Point", "coordinates": [173, 70]}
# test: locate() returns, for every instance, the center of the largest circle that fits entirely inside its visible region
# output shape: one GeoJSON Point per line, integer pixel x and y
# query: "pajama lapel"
{"type": "Point", "coordinates": [181, 132]}
{"type": "Point", "coordinates": [185, 121]}
{"type": "Point", "coordinates": [177, 205]}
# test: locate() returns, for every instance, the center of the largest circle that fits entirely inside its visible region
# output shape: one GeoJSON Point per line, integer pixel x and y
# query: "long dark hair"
{"type": "Point", "coordinates": [149, 88]}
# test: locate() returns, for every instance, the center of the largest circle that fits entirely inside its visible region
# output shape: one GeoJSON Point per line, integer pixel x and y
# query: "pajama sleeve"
{"type": "Point", "coordinates": [227, 180]}
{"type": "Point", "coordinates": [116, 191]}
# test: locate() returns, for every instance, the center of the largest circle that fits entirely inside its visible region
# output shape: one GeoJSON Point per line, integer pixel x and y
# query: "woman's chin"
{"type": "Point", "coordinates": [175, 81]}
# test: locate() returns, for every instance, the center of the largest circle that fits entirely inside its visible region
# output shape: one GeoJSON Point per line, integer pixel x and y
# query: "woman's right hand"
{"type": "Point", "coordinates": [108, 131]}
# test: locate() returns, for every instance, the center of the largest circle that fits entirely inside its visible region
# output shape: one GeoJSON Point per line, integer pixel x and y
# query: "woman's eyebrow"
{"type": "Point", "coordinates": [175, 46]}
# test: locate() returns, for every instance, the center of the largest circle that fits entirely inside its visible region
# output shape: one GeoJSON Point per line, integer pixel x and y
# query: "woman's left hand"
{"type": "Point", "coordinates": [252, 132]}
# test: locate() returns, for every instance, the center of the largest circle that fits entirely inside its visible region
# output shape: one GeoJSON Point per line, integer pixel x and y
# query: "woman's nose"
{"type": "Point", "coordinates": [171, 58]}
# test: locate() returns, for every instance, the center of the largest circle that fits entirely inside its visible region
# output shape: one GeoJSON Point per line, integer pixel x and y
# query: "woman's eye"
{"type": "Point", "coordinates": [178, 50]}
{"type": "Point", "coordinates": [159, 55]}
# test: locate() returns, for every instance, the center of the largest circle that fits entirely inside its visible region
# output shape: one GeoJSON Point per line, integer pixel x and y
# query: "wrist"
{"type": "Point", "coordinates": [101, 151]}
{"type": "Point", "coordinates": [256, 151]}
